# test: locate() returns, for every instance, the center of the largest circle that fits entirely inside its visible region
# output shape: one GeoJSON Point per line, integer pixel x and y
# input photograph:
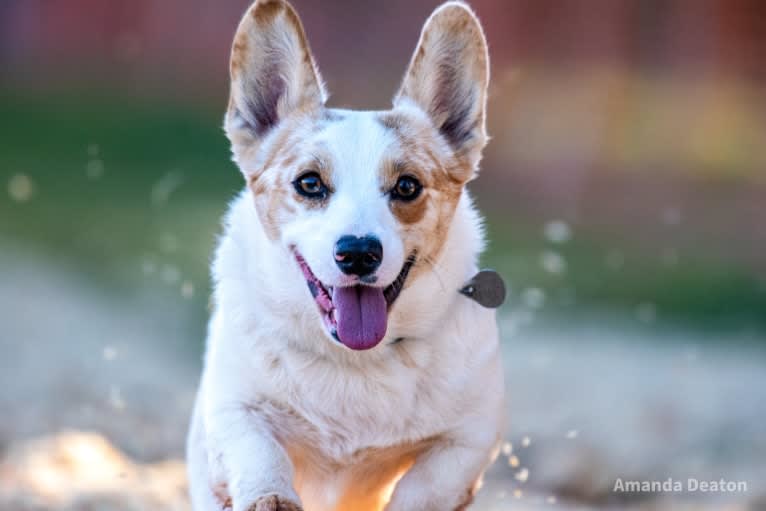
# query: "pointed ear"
{"type": "Point", "coordinates": [448, 78]}
{"type": "Point", "coordinates": [273, 73]}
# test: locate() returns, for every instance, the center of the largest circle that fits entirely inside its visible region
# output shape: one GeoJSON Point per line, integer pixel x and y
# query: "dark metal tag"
{"type": "Point", "coordinates": [486, 288]}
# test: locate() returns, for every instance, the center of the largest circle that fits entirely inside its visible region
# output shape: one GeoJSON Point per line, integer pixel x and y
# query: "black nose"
{"type": "Point", "coordinates": [358, 256]}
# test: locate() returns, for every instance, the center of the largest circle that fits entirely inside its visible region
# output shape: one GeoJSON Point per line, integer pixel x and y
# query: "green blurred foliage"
{"type": "Point", "coordinates": [149, 208]}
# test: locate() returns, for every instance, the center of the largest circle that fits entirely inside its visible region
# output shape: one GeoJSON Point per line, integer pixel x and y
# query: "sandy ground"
{"type": "Point", "coordinates": [94, 418]}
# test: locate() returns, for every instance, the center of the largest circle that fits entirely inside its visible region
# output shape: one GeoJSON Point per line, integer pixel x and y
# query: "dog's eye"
{"type": "Point", "coordinates": [407, 188]}
{"type": "Point", "coordinates": [311, 185]}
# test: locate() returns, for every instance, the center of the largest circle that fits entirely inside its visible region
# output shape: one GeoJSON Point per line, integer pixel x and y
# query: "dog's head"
{"type": "Point", "coordinates": [358, 200]}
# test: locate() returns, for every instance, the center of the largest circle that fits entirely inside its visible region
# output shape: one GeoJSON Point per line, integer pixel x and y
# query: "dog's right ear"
{"type": "Point", "coordinates": [273, 75]}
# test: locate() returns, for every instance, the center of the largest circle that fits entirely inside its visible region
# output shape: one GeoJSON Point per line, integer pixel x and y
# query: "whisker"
{"type": "Point", "coordinates": [434, 268]}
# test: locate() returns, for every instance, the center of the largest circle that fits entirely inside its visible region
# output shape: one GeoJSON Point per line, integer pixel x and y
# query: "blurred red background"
{"type": "Point", "coordinates": [603, 113]}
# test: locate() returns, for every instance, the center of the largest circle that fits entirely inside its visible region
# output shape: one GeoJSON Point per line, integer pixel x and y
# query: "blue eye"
{"type": "Point", "coordinates": [310, 185]}
{"type": "Point", "coordinates": [407, 188]}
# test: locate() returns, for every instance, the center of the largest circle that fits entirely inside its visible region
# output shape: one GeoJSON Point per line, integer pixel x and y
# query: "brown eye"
{"type": "Point", "coordinates": [310, 185]}
{"type": "Point", "coordinates": [407, 188]}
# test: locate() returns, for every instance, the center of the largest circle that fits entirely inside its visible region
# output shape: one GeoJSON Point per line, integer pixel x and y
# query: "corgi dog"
{"type": "Point", "coordinates": [343, 369]}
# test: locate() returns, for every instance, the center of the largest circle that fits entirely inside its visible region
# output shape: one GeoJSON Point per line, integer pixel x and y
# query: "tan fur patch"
{"type": "Point", "coordinates": [221, 494]}
{"type": "Point", "coordinates": [423, 155]}
{"type": "Point", "coordinates": [370, 473]}
{"type": "Point", "coordinates": [322, 168]}
{"type": "Point", "coordinates": [238, 55]}
{"type": "Point", "coordinates": [276, 200]}
{"type": "Point", "coordinates": [265, 11]}
{"type": "Point", "coordinates": [261, 13]}
{"type": "Point", "coordinates": [465, 501]}
{"type": "Point", "coordinates": [411, 212]}
{"type": "Point", "coordinates": [277, 149]}
{"type": "Point", "coordinates": [268, 192]}
{"type": "Point", "coordinates": [402, 350]}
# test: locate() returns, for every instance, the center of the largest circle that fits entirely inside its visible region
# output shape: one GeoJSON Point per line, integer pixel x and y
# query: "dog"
{"type": "Point", "coordinates": [343, 369]}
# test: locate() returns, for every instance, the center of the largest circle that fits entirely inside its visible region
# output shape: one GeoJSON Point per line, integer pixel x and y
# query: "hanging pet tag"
{"type": "Point", "coordinates": [486, 288]}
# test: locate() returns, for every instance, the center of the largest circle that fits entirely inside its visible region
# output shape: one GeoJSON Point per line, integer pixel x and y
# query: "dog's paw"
{"type": "Point", "coordinates": [275, 503]}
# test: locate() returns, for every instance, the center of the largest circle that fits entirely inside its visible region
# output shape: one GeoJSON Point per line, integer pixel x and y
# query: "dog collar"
{"type": "Point", "coordinates": [485, 288]}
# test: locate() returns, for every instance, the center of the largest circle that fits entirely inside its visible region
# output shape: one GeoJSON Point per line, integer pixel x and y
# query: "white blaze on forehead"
{"type": "Point", "coordinates": [357, 146]}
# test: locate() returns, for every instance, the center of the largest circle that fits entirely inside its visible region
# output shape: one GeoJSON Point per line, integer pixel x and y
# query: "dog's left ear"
{"type": "Point", "coordinates": [448, 78]}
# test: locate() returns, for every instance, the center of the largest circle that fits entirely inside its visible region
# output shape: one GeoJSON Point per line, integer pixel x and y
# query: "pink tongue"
{"type": "Point", "coordinates": [361, 316]}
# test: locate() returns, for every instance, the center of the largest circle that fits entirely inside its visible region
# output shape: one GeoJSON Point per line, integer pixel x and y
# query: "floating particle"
{"type": "Point", "coordinates": [115, 398]}
{"type": "Point", "coordinates": [553, 262]}
{"type": "Point", "coordinates": [533, 297]}
{"type": "Point", "coordinates": [646, 312]}
{"type": "Point", "coordinates": [166, 185]}
{"type": "Point", "coordinates": [513, 461]}
{"type": "Point", "coordinates": [170, 274]}
{"type": "Point", "coordinates": [551, 499]}
{"type": "Point", "coordinates": [94, 168]}
{"type": "Point", "coordinates": [507, 449]}
{"type": "Point", "coordinates": [526, 441]}
{"type": "Point", "coordinates": [517, 494]}
{"type": "Point", "coordinates": [109, 353]}
{"type": "Point", "coordinates": [187, 290]}
{"type": "Point", "coordinates": [557, 231]}
{"type": "Point", "coordinates": [21, 188]}
{"type": "Point", "coordinates": [148, 266]}
{"type": "Point", "coordinates": [572, 434]}
{"type": "Point", "coordinates": [522, 475]}
{"type": "Point", "coordinates": [614, 260]}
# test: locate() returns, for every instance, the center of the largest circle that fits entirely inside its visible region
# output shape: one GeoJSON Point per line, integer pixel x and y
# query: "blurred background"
{"type": "Point", "coordinates": [625, 196]}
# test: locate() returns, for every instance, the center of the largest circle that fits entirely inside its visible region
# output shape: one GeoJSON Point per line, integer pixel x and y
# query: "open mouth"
{"type": "Point", "coordinates": [356, 316]}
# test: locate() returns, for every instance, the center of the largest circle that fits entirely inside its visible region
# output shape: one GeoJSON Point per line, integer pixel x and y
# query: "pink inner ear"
{"type": "Point", "coordinates": [449, 74]}
{"type": "Point", "coordinates": [260, 106]}
{"type": "Point", "coordinates": [461, 117]}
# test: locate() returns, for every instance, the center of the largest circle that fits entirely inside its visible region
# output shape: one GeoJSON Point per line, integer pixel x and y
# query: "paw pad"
{"type": "Point", "coordinates": [275, 503]}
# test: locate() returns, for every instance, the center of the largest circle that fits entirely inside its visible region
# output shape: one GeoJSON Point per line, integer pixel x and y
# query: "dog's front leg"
{"type": "Point", "coordinates": [249, 468]}
{"type": "Point", "coordinates": [445, 477]}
